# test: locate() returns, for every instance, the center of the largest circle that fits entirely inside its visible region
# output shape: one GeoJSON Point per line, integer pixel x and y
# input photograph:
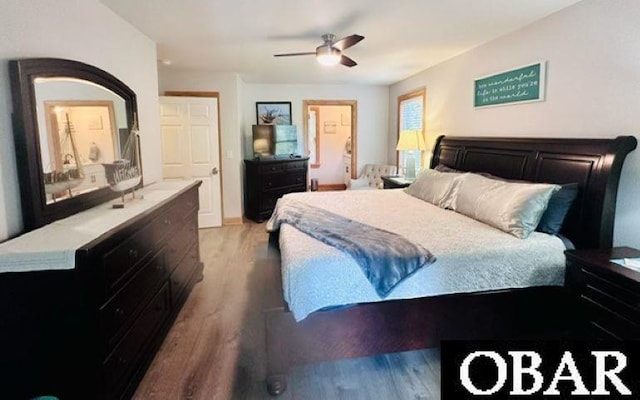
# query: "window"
{"type": "Point", "coordinates": [411, 117]}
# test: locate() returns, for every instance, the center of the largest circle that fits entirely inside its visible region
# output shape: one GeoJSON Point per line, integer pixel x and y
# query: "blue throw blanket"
{"type": "Point", "coordinates": [386, 258]}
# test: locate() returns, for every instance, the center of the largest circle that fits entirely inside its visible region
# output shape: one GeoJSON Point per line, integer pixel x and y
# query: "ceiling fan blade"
{"type": "Point", "coordinates": [347, 42]}
{"type": "Point", "coordinates": [307, 53]}
{"type": "Point", "coordinates": [346, 61]}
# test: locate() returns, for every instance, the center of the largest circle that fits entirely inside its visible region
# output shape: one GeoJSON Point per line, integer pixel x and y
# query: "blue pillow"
{"type": "Point", "coordinates": [557, 209]}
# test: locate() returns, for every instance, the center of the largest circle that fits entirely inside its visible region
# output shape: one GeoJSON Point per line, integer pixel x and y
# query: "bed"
{"type": "Point", "coordinates": [305, 328]}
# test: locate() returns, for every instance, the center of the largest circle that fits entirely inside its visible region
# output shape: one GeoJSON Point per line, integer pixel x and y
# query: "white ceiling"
{"type": "Point", "coordinates": [402, 37]}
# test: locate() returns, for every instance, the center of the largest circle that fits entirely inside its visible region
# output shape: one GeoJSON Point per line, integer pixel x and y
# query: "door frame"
{"type": "Point", "coordinates": [316, 109]}
{"type": "Point", "coordinates": [216, 95]}
{"type": "Point", "coordinates": [353, 104]}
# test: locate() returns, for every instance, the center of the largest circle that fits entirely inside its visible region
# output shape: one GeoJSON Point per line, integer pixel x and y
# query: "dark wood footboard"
{"type": "Point", "coordinates": [402, 325]}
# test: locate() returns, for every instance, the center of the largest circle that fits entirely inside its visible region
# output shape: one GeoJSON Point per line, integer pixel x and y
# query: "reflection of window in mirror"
{"type": "Point", "coordinates": [81, 135]}
{"type": "Point", "coordinates": [94, 127]}
{"type": "Point", "coordinates": [313, 127]}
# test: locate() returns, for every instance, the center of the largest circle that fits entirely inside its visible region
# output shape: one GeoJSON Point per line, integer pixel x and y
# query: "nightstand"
{"type": "Point", "coordinates": [396, 182]}
{"type": "Point", "coordinates": [606, 295]}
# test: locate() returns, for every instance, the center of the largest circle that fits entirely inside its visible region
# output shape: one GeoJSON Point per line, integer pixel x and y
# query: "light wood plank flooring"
{"type": "Point", "coordinates": [215, 350]}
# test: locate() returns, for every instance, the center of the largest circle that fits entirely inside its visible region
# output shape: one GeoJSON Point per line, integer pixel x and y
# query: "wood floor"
{"type": "Point", "coordinates": [215, 350]}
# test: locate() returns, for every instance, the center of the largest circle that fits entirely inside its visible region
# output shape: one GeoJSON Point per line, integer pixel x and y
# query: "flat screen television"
{"type": "Point", "coordinates": [275, 140]}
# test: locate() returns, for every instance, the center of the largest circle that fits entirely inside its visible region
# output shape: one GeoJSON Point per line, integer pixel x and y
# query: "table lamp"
{"type": "Point", "coordinates": [411, 140]}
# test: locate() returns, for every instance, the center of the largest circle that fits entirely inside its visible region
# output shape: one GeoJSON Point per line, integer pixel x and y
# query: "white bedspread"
{"type": "Point", "coordinates": [471, 256]}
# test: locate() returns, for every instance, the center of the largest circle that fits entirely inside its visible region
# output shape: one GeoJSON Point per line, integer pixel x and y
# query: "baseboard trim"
{"type": "Point", "coordinates": [332, 186]}
{"type": "Point", "coordinates": [233, 221]}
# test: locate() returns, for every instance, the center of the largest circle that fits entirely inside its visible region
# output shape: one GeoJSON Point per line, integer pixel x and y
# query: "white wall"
{"type": "Point", "coordinates": [373, 106]}
{"type": "Point", "coordinates": [592, 51]}
{"type": "Point", "coordinates": [229, 86]}
{"type": "Point", "coordinates": [81, 30]}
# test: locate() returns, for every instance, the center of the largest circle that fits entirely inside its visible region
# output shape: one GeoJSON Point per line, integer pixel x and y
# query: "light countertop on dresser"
{"type": "Point", "coordinates": [53, 247]}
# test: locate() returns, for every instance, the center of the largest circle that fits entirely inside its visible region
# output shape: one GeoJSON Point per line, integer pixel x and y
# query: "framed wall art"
{"type": "Point", "coordinates": [519, 85]}
{"type": "Point", "coordinates": [273, 113]}
{"type": "Point", "coordinates": [330, 127]}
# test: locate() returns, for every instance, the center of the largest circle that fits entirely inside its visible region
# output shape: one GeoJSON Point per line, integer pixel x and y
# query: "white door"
{"type": "Point", "coordinates": [190, 149]}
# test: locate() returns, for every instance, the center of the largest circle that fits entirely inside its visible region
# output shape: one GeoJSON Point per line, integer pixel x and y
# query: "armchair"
{"type": "Point", "coordinates": [371, 176]}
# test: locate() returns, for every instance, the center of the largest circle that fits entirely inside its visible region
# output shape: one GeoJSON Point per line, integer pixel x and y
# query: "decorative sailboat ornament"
{"type": "Point", "coordinates": [67, 172]}
{"type": "Point", "coordinates": [126, 173]}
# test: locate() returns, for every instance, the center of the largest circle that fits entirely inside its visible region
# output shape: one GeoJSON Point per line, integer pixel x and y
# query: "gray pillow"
{"type": "Point", "coordinates": [434, 187]}
{"type": "Point", "coordinates": [515, 208]}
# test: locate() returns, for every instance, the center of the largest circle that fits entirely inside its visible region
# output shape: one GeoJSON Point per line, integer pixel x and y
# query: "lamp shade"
{"type": "Point", "coordinates": [411, 140]}
{"type": "Point", "coordinates": [328, 55]}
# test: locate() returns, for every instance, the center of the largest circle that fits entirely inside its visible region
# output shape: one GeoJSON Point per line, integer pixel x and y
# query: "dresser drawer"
{"type": "Point", "coordinates": [120, 262]}
{"type": "Point", "coordinates": [173, 218]}
{"type": "Point", "coordinates": [272, 167]}
{"type": "Point", "coordinates": [185, 205]}
{"type": "Point", "coordinates": [126, 357]}
{"type": "Point", "coordinates": [297, 165]}
{"type": "Point", "coordinates": [279, 181]}
{"type": "Point", "coordinates": [179, 243]}
{"type": "Point", "coordinates": [183, 273]}
{"type": "Point", "coordinates": [120, 310]}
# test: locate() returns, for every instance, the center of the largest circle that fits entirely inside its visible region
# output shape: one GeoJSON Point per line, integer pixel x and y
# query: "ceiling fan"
{"type": "Point", "coordinates": [330, 52]}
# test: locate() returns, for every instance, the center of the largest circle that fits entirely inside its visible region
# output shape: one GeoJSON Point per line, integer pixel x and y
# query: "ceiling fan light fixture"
{"type": "Point", "coordinates": [327, 55]}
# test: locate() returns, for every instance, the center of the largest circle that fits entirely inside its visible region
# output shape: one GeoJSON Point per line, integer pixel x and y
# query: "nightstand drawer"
{"type": "Point", "coordinates": [606, 295]}
{"type": "Point", "coordinates": [609, 320]}
{"type": "Point", "coordinates": [611, 294]}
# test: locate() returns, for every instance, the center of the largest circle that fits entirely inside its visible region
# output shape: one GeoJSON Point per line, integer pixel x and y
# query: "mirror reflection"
{"type": "Point", "coordinates": [82, 126]}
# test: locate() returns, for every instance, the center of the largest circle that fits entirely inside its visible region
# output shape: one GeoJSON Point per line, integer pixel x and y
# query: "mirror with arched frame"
{"type": "Point", "coordinates": [70, 120]}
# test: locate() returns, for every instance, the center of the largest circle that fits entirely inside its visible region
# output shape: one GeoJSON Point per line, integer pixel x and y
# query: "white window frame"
{"type": "Point", "coordinates": [418, 93]}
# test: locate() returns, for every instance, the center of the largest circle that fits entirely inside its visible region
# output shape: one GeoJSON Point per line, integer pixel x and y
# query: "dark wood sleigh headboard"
{"type": "Point", "coordinates": [595, 164]}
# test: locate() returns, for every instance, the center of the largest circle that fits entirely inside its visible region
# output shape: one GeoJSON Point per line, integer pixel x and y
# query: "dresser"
{"type": "Point", "coordinates": [266, 180]}
{"type": "Point", "coordinates": [90, 331]}
{"type": "Point", "coordinates": [606, 294]}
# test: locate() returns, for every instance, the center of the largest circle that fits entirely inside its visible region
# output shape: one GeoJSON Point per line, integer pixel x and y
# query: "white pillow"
{"type": "Point", "coordinates": [434, 187]}
{"type": "Point", "coordinates": [515, 208]}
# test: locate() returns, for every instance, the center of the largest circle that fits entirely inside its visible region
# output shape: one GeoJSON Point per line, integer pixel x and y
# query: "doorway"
{"type": "Point", "coordinates": [330, 140]}
{"type": "Point", "coordinates": [191, 149]}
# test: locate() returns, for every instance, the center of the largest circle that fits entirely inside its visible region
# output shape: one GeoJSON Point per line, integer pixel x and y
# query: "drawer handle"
{"type": "Point", "coordinates": [119, 313]}
{"type": "Point", "coordinates": [121, 361]}
{"type": "Point", "coordinates": [133, 253]}
{"type": "Point", "coordinates": [190, 204]}
{"type": "Point", "coordinates": [167, 221]}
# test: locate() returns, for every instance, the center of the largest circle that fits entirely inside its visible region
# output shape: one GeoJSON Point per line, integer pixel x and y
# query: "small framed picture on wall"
{"type": "Point", "coordinates": [273, 112]}
{"type": "Point", "coordinates": [330, 127]}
